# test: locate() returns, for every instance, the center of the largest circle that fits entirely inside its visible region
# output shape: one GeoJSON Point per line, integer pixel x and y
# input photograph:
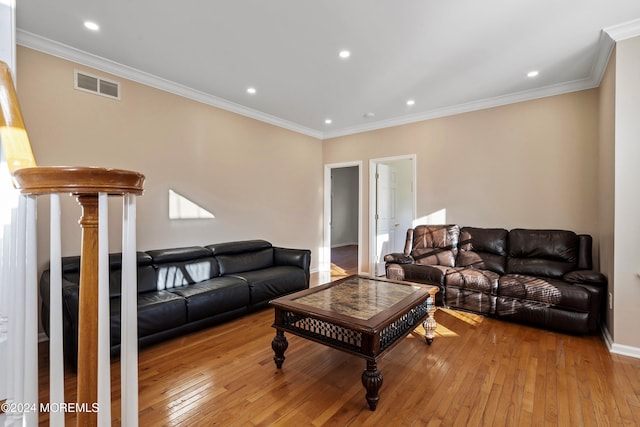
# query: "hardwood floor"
{"type": "Point", "coordinates": [344, 261]}
{"type": "Point", "coordinates": [479, 371]}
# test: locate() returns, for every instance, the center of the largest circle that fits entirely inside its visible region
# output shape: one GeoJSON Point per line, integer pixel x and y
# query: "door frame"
{"type": "Point", "coordinates": [373, 202]}
{"type": "Point", "coordinates": [325, 256]}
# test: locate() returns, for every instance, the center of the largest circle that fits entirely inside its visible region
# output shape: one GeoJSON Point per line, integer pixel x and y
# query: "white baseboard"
{"type": "Point", "coordinates": [624, 350]}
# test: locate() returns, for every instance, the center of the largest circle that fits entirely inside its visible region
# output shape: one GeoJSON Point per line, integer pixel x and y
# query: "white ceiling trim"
{"type": "Point", "coordinates": [606, 43]}
{"type": "Point", "coordinates": [69, 53]}
{"type": "Point", "coordinates": [587, 83]}
{"type": "Point", "coordinates": [605, 47]}
{"type": "Point", "coordinates": [624, 31]}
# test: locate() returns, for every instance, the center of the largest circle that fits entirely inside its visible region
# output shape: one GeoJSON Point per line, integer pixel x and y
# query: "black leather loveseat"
{"type": "Point", "coordinates": [183, 289]}
{"type": "Point", "coordinates": [540, 277]}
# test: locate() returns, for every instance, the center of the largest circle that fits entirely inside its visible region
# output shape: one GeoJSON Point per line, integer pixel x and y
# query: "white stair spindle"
{"type": "Point", "coordinates": [104, 340]}
{"type": "Point", "coordinates": [56, 358]}
{"type": "Point", "coordinates": [12, 311]}
{"type": "Point", "coordinates": [129, 319]}
{"type": "Point", "coordinates": [16, 320]}
{"type": "Point", "coordinates": [31, 315]}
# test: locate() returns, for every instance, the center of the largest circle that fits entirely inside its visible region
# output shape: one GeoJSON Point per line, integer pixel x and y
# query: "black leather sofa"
{"type": "Point", "coordinates": [184, 289]}
{"type": "Point", "coordinates": [539, 277]}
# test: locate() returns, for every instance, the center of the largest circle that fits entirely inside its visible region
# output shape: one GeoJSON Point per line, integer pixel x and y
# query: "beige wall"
{"type": "Point", "coordinates": [531, 164]}
{"type": "Point", "coordinates": [260, 181]}
{"type": "Point", "coordinates": [555, 162]}
{"type": "Point", "coordinates": [627, 194]}
{"type": "Point", "coordinates": [606, 180]}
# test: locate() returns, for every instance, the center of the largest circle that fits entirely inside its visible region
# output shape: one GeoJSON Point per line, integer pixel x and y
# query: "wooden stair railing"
{"type": "Point", "coordinates": [90, 186]}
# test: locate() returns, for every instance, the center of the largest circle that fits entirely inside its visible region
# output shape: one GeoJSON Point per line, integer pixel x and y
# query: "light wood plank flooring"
{"type": "Point", "coordinates": [344, 261]}
{"type": "Point", "coordinates": [479, 371]}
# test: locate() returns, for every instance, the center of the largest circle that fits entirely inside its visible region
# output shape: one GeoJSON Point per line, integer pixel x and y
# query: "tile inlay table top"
{"type": "Point", "coordinates": [361, 315]}
{"type": "Point", "coordinates": [357, 297]}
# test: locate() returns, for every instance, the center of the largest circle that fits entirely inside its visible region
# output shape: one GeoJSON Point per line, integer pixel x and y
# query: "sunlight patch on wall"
{"type": "Point", "coordinates": [182, 208]}
{"type": "Point", "coordinates": [434, 218]}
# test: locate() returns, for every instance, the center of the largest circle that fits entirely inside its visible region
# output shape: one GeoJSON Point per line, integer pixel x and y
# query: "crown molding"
{"type": "Point", "coordinates": [512, 98]}
{"type": "Point", "coordinates": [60, 50]}
{"type": "Point", "coordinates": [605, 48]}
{"type": "Point", "coordinates": [606, 42]}
{"type": "Point", "coordinates": [624, 31]}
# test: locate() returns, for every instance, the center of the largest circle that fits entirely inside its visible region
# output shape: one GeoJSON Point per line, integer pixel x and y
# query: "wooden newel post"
{"type": "Point", "coordinates": [88, 310]}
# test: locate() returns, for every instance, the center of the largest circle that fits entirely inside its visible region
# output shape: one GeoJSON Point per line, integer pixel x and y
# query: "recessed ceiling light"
{"type": "Point", "coordinates": [533, 73]}
{"type": "Point", "coordinates": [344, 54]}
{"type": "Point", "coordinates": [368, 115]}
{"type": "Point", "coordinates": [91, 26]}
{"type": "Point", "coordinates": [411, 102]}
{"type": "Point", "coordinates": [327, 121]}
{"type": "Point", "coordinates": [251, 90]}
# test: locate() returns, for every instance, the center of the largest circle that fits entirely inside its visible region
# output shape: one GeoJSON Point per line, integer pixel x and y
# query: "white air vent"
{"type": "Point", "coordinates": [97, 85]}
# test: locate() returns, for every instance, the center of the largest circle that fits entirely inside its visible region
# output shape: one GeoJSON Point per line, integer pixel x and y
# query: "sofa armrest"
{"type": "Point", "coordinates": [398, 258]}
{"type": "Point", "coordinates": [585, 277]}
{"type": "Point", "coordinates": [300, 258]}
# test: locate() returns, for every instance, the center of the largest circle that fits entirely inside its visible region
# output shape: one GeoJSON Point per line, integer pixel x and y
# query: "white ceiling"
{"type": "Point", "coordinates": [449, 56]}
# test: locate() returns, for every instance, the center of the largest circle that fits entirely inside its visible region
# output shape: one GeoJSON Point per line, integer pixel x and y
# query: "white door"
{"type": "Point", "coordinates": [386, 223]}
{"type": "Point", "coordinates": [392, 207]}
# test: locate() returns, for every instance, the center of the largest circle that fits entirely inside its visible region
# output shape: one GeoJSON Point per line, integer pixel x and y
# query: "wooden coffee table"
{"type": "Point", "coordinates": [360, 315]}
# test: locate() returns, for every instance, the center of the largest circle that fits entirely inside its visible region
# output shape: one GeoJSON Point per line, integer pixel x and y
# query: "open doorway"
{"type": "Point", "coordinates": [392, 206]}
{"type": "Point", "coordinates": [342, 224]}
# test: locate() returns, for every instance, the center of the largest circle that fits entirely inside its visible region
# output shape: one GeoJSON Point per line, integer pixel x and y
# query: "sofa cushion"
{"type": "Point", "coordinates": [157, 311]}
{"type": "Point", "coordinates": [484, 281]}
{"type": "Point", "coordinates": [145, 273]}
{"type": "Point", "coordinates": [544, 290]}
{"type": "Point", "coordinates": [214, 296]}
{"type": "Point", "coordinates": [173, 275]}
{"type": "Point", "coordinates": [478, 302]}
{"type": "Point", "coordinates": [586, 277]}
{"type": "Point", "coordinates": [483, 248]}
{"type": "Point", "coordinates": [535, 313]}
{"type": "Point", "coordinates": [273, 282]}
{"type": "Point", "coordinates": [173, 255]}
{"type": "Point", "coordinates": [238, 247]}
{"type": "Point", "coordinates": [548, 253]}
{"type": "Point", "coordinates": [248, 261]}
{"type": "Point", "coordinates": [435, 244]}
{"type": "Point", "coordinates": [429, 274]}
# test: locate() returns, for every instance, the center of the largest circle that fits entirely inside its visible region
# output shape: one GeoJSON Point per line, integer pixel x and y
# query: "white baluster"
{"type": "Point", "coordinates": [16, 313]}
{"type": "Point", "coordinates": [129, 313]}
{"type": "Point", "coordinates": [31, 314]}
{"type": "Point", "coordinates": [5, 305]}
{"type": "Point", "coordinates": [56, 358]}
{"type": "Point", "coordinates": [104, 341]}
{"type": "Point", "coordinates": [12, 341]}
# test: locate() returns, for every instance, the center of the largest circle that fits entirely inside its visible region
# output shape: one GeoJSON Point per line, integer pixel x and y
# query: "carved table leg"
{"type": "Point", "coordinates": [430, 324]}
{"type": "Point", "coordinates": [279, 346]}
{"type": "Point", "coordinates": [372, 381]}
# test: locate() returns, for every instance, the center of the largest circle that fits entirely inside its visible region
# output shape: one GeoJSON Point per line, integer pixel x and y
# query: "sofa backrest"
{"type": "Point", "coordinates": [435, 244]}
{"type": "Point", "coordinates": [483, 248]}
{"type": "Point", "coordinates": [549, 253]}
{"type": "Point", "coordinates": [183, 266]}
{"type": "Point", "coordinates": [145, 272]}
{"type": "Point", "coordinates": [248, 255]}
